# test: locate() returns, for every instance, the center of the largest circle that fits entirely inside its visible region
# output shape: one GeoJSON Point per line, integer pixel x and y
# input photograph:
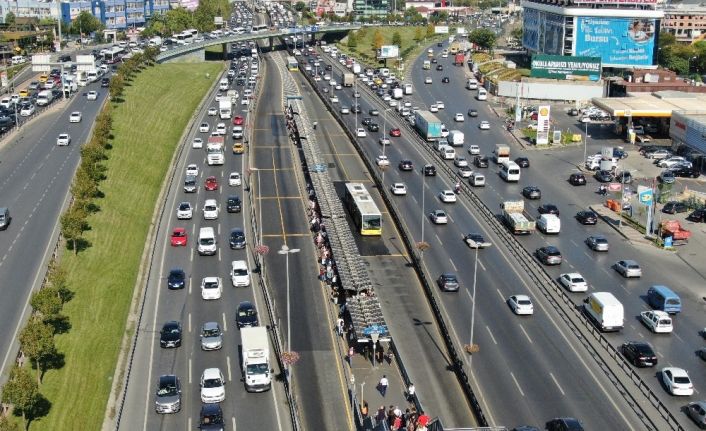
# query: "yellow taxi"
{"type": "Point", "coordinates": [24, 93]}
{"type": "Point", "coordinates": [238, 148]}
{"type": "Point", "coordinates": [43, 78]}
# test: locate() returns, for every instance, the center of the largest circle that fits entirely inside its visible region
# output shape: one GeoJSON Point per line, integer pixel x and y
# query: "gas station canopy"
{"type": "Point", "coordinates": [657, 104]}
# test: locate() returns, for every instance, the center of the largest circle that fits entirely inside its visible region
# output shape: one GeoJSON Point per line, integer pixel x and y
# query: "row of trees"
{"type": "Point", "coordinates": [378, 40]}
{"type": "Point", "coordinates": [683, 59]}
{"type": "Point", "coordinates": [179, 19]}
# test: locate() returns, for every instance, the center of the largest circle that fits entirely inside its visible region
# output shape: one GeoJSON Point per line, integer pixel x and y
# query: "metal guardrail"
{"type": "Point", "coordinates": [185, 49]}
{"type": "Point", "coordinates": [571, 315]}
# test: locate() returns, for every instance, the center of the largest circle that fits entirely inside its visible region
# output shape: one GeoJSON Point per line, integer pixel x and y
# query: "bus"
{"type": "Point", "coordinates": [187, 37]}
{"type": "Point", "coordinates": [292, 64]}
{"type": "Point", "coordinates": [113, 54]}
{"type": "Point", "coordinates": [259, 28]}
{"type": "Point", "coordinates": [363, 210]}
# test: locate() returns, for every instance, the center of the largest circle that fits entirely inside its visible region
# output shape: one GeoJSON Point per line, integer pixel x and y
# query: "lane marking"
{"type": "Point", "coordinates": [557, 384]}
{"type": "Point", "coordinates": [517, 384]}
{"type": "Point", "coordinates": [526, 334]}
{"type": "Point", "coordinates": [230, 374]}
{"type": "Point", "coordinates": [491, 334]}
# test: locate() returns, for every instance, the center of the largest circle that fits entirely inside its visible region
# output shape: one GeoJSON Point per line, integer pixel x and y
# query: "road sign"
{"type": "Point", "coordinates": [85, 63]}
{"type": "Point", "coordinates": [646, 197]}
{"type": "Point", "coordinates": [614, 187]}
{"type": "Point", "coordinates": [40, 63]}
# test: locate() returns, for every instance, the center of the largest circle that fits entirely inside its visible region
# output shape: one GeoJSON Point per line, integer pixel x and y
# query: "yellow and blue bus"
{"type": "Point", "coordinates": [363, 210]}
{"type": "Point", "coordinates": [292, 64]}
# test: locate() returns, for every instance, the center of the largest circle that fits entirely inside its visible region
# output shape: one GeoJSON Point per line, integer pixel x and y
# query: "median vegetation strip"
{"type": "Point", "coordinates": [155, 107]}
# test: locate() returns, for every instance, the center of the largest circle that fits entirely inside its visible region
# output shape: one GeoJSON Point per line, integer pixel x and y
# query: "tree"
{"type": "Point", "coordinates": [22, 392]}
{"type": "Point", "coordinates": [73, 223]}
{"type": "Point", "coordinates": [300, 6]}
{"type": "Point", "coordinates": [116, 86]}
{"type": "Point", "coordinates": [37, 342]}
{"type": "Point", "coordinates": [178, 20]}
{"type": "Point", "coordinates": [517, 33]}
{"type": "Point", "coordinates": [10, 19]}
{"type": "Point", "coordinates": [484, 38]}
{"type": "Point", "coordinates": [666, 39]}
{"type": "Point", "coordinates": [85, 23]}
{"type": "Point", "coordinates": [7, 425]}
{"type": "Point", "coordinates": [56, 277]}
{"type": "Point", "coordinates": [438, 17]}
{"type": "Point", "coordinates": [418, 35]}
{"type": "Point", "coordinates": [84, 187]}
{"type": "Point", "coordinates": [430, 30]}
{"type": "Point", "coordinates": [397, 39]}
{"type": "Point", "coordinates": [46, 302]}
{"type": "Point", "coordinates": [352, 40]}
{"type": "Point", "coordinates": [377, 40]}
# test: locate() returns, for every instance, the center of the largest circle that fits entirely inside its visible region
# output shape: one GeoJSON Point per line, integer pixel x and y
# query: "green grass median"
{"type": "Point", "coordinates": [147, 127]}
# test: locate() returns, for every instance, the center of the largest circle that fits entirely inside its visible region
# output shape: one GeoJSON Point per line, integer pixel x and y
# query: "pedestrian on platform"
{"type": "Point", "coordinates": [410, 392]}
{"type": "Point", "coordinates": [382, 386]}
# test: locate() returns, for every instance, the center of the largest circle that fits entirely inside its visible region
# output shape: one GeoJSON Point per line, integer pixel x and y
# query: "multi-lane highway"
{"type": "Point", "coordinates": [35, 175]}
{"type": "Point", "coordinates": [533, 364]}
{"type": "Point", "coordinates": [266, 410]}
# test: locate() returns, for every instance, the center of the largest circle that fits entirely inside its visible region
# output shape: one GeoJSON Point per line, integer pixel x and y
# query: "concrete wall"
{"type": "Point", "coordinates": [192, 57]}
{"type": "Point", "coordinates": [551, 90]}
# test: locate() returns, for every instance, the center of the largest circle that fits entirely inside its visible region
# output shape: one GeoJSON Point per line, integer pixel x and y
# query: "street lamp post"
{"type": "Point", "coordinates": [286, 251]}
{"type": "Point", "coordinates": [473, 306]}
{"type": "Point", "coordinates": [585, 143]}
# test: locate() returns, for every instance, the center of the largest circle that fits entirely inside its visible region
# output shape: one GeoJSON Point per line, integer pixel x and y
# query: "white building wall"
{"type": "Point", "coordinates": [551, 90]}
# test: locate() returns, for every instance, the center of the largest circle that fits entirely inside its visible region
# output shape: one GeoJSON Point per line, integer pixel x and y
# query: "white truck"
{"type": "Point", "coordinates": [397, 93]}
{"type": "Point", "coordinates": [455, 138]}
{"type": "Point", "coordinates": [215, 150]}
{"type": "Point", "coordinates": [257, 374]}
{"type": "Point", "coordinates": [224, 109]}
{"type": "Point", "coordinates": [356, 68]}
{"type": "Point", "coordinates": [44, 98]}
{"type": "Point", "coordinates": [501, 154]}
{"type": "Point", "coordinates": [407, 89]}
{"type": "Point", "coordinates": [605, 311]}
{"type": "Point", "coordinates": [233, 96]}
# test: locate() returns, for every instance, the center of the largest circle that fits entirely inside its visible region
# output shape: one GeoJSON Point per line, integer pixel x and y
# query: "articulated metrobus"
{"type": "Point", "coordinates": [363, 210]}
{"type": "Point", "coordinates": [292, 63]}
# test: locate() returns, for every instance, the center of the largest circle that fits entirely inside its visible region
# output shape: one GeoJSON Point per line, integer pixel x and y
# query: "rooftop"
{"type": "Point", "coordinates": [657, 104]}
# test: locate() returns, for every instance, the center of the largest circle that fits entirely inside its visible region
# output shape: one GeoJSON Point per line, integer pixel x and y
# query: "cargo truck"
{"type": "Point", "coordinates": [501, 154]}
{"type": "Point", "coordinates": [233, 96]}
{"type": "Point", "coordinates": [224, 108]}
{"type": "Point", "coordinates": [356, 68]}
{"type": "Point", "coordinates": [257, 374]}
{"type": "Point", "coordinates": [516, 218]}
{"type": "Point", "coordinates": [605, 311]}
{"type": "Point", "coordinates": [215, 150]}
{"type": "Point", "coordinates": [455, 138]}
{"type": "Point", "coordinates": [408, 89]}
{"type": "Point", "coordinates": [428, 125]}
{"type": "Point", "coordinates": [397, 93]}
{"type": "Point", "coordinates": [348, 79]}
{"type": "Point", "coordinates": [458, 59]}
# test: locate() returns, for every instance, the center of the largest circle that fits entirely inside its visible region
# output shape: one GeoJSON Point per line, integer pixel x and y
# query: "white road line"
{"type": "Point", "coordinates": [526, 334]}
{"type": "Point", "coordinates": [557, 384]}
{"type": "Point", "coordinates": [468, 292]}
{"type": "Point", "coordinates": [225, 323]}
{"type": "Point", "coordinates": [188, 426]}
{"type": "Point", "coordinates": [189, 322]}
{"type": "Point", "coordinates": [190, 286]}
{"type": "Point", "coordinates": [502, 298]}
{"type": "Point", "coordinates": [230, 374]}
{"type": "Point", "coordinates": [491, 334]}
{"type": "Point", "coordinates": [439, 239]}
{"type": "Point", "coordinates": [573, 242]}
{"type": "Point", "coordinates": [481, 264]}
{"type": "Point", "coordinates": [218, 229]}
{"type": "Point", "coordinates": [189, 370]}
{"type": "Point", "coordinates": [517, 384]}
{"type": "Point", "coordinates": [452, 265]}
{"type": "Point", "coordinates": [677, 335]}
{"type": "Point", "coordinates": [191, 255]}
{"type": "Point", "coordinates": [219, 254]}
{"type": "Point", "coordinates": [233, 420]}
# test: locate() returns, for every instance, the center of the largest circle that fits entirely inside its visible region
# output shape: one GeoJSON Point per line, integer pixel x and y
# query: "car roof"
{"type": "Point", "coordinates": [210, 202]}
{"type": "Point", "coordinates": [239, 264]}
{"type": "Point", "coordinates": [245, 304]}
{"type": "Point", "coordinates": [211, 373]}
{"type": "Point", "coordinates": [676, 372]}
{"type": "Point", "coordinates": [573, 275]}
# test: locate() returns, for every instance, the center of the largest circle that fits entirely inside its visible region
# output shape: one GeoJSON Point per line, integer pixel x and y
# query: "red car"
{"type": "Point", "coordinates": [238, 120]}
{"type": "Point", "coordinates": [395, 132]}
{"type": "Point", "coordinates": [179, 237]}
{"type": "Point", "coordinates": [211, 184]}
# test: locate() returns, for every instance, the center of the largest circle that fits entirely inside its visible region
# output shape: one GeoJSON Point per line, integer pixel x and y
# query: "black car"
{"type": "Point", "coordinates": [211, 417]}
{"type": "Point", "coordinates": [373, 127]}
{"type": "Point", "coordinates": [577, 179]}
{"type": "Point", "coordinates": [604, 176]}
{"type": "Point", "coordinates": [548, 209]}
{"type": "Point", "coordinates": [439, 44]}
{"type": "Point", "coordinates": [176, 279]}
{"type": "Point", "coordinates": [374, 112]}
{"type": "Point", "coordinates": [667, 177]}
{"type": "Point", "coordinates": [356, 109]}
{"type": "Point", "coordinates": [480, 161]}
{"type": "Point", "coordinates": [472, 113]}
{"type": "Point", "coordinates": [586, 217]}
{"type": "Point", "coordinates": [522, 162]}
{"type": "Point", "coordinates": [532, 192]}
{"type": "Point", "coordinates": [406, 165]}
{"type": "Point", "coordinates": [445, 80]}
{"type": "Point", "coordinates": [434, 61]}
{"type": "Point", "coordinates": [246, 315]}
{"type": "Point", "coordinates": [237, 238]}
{"type": "Point", "coordinates": [448, 282]}
{"type": "Point", "coordinates": [329, 67]}
{"type": "Point", "coordinates": [624, 177]}
{"type": "Point", "coordinates": [429, 170]}
{"type": "Point", "coordinates": [439, 67]}
{"type": "Point", "coordinates": [673, 207]}
{"type": "Point", "coordinates": [564, 424]}
{"type": "Point", "coordinates": [367, 120]}
{"type": "Point", "coordinates": [573, 112]}
{"type": "Point", "coordinates": [639, 353]}
{"type": "Point", "coordinates": [170, 335]}
{"type": "Point", "coordinates": [685, 172]}
{"type": "Point", "coordinates": [234, 205]}
{"type": "Point", "coordinates": [105, 82]}
{"type": "Point", "coordinates": [698, 216]}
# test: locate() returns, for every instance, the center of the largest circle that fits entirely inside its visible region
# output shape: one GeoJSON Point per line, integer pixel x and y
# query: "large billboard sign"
{"type": "Point", "coordinates": [619, 42]}
{"type": "Point", "coordinates": [616, 1]}
{"type": "Point", "coordinates": [441, 29]}
{"type": "Point", "coordinates": [543, 125]}
{"type": "Point", "coordinates": [565, 67]}
{"type": "Point", "coordinates": [389, 51]}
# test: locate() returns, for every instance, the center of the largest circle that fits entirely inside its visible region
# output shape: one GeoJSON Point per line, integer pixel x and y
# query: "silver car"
{"type": "Point", "coordinates": [211, 336]}
{"type": "Point", "coordinates": [168, 396]}
{"type": "Point", "coordinates": [628, 268]}
{"type": "Point", "coordinates": [597, 243]}
{"type": "Point", "coordinates": [697, 412]}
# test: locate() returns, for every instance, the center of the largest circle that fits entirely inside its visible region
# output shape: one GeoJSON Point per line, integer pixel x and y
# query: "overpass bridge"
{"type": "Point", "coordinates": [196, 50]}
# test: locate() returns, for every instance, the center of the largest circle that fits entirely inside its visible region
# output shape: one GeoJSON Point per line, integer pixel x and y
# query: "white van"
{"type": "Point", "coordinates": [92, 75]}
{"type": "Point", "coordinates": [455, 138]}
{"type": "Point", "coordinates": [207, 242]}
{"type": "Point", "coordinates": [472, 84]}
{"type": "Point", "coordinates": [447, 153]}
{"type": "Point", "coordinates": [510, 172]}
{"type": "Point", "coordinates": [605, 311]}
{"type": "Point", "coordinates": [18, 59]}
{"type": "Point", "coordinates": [223, 85]}
{"type": "Point", "coordinates": [385, 72]}
{"type": "Point", "coordinates": [482, 94]}
{"type": "Point", "coordinates": [477, 180]}
{"type": "Point", "coordinates": [549, 223]}
{"type": "Point", "coordinates": [239, 273]}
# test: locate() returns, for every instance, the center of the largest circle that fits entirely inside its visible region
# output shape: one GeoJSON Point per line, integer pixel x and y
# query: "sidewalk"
{"type": "Point", "coordinates": [613, 220]}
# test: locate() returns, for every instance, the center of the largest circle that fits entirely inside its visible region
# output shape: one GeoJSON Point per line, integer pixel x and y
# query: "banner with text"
{"type": "Point", "coordinates": [566, 67]}
{"type": "Point", "coordinates": [543, 125]}
{"type": "Point", "coordinates": [619, 42]}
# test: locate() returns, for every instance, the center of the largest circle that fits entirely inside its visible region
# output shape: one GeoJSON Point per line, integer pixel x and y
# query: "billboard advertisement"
{"type": "Point", "coordinates": [543, 125]}
{"type": "Point", "coordinates": [566, 67]}
{"type": "Point", "coordinates": [619, 42]}
{"type": "Point", "coordinates": [543, 31]}
{"type": "Point", "coordinates": [631, 2]}
{"type": "Point", "coordinates": [389, 51]}
{"type": "Point", "coordinates": [441, 29]}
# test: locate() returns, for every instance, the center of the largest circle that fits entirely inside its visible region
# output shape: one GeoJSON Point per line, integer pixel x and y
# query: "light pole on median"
{"type": "Point", "coordinates": [473, 307]}
{"type": "Point", "coordinates": [286, 251]}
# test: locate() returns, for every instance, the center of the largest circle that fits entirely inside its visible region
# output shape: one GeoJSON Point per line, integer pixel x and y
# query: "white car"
{"type": "Point", "coordinates": [204, 128]}
{"type": "Point", "coordinates": [427, 80]}
{"type": "Point", "coordinates": [92, 95]}
{"type": "Point", "coordinates": [334, 98]}
{"type": "Point", "coordinates": [317, 78]}
{"type": "Point", "coordinates": [221, 128]}
{"type": "Point", "coordinates": [460, 161]}
{"type": "Point", "coordinates": [360, 132]}
{"type": "Point", "coordinates": [345, 110]}
{"type": "Point", "coordinates": [677, 381]}
{"type": "Point", "coordinates": [185, 211]}
{"type": "Point", "coordinates": [433, 108]}
{"type": "Point", "coordinates": [476, 240]}
{"type": "Point", "coordinates": [386, 97]}
{"type": "Point", "coordinates": [75, 117]}
{"type": "Point", "coordinates": [673, 161]}
{"type": "Point", "coordinates": [192, 169]}
{"type": "Point", "coordinates": [474, 150]}
{"type": "Point", "coordinates": [338, 86]}
{"type": "Point", "coordinates": [382, 160]}
{"type": "Point", "coordinates": [438, 217]}
{"type": "Point", "coordinates": [327, 77]}
{"type": "Point", "coordinates": [398, 189]}
{"type": "Point", "coordinates": [234, 179]}
{"type": "Point", "coordinates": [384, 140]}
{"type": "Point", "coordinates": [212, 111]}
{"type": "Point", "coordinates": [444, 131]}
{"type": "Point", "coordinates": [63, 140]}
{"type": "Point", "coordinates": [332, 83]}
{"type": "Point", "coordinates": [459, 118]}
{"type": "Point", "coordinates": [211, 288]}
{"type": "Point", "coordinates": [657, 321]}
{"type": "Point", "coordinates": [212, 386]}
{"type": "Point", "coordinates": [245, 101]}
{"type": "Point", "coordinates": [484, 125]}
{"type": "Point", "coordinates": [440, 104]}
{"type": "Point", "coordinates": [197, 143]}
{"type": "Point", "coordinates": [239, 273]}
{"type": "Point", "coordinates": [573, 282]}
{"type": "Point", "coordinates": [465, 171]}
{"type": "Point", "coordinates": [521, 305]}
{"type": "Point", "coordinates": [210, 209]}
{"type": "Point", "coordinates": [447, 196]}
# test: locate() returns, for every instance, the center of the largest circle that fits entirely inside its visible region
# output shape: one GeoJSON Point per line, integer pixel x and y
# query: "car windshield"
{"type": "Point", "coordinates": [524, 302]}
{"type": "Point", "coordinates": [252, 369]}
{"type": "Point", "coordinates": [577, 280]}
{"type": "Point", "coordinates": [633, 266]}
{"type": "Point", "coordinates": [212, 383]}
{"type": "Point", "coordinates": [184, 207]}
{"type": "Point", "coordinates": [210, 285]}
{"type": "Point", "coordinates": [246, 312]}
{"type": "Point", "coordinates": [213, 332]}
{"type": "Point", "coordinates": [209, 208]}
{"type": "Point", "coordinates": [207, 241]}
{"type": "Point", "coordinates": [167, 390]}
{"type": "Point", "coordinates": [240, 272]}
{"type": "Point", "coordinates": [644, 349]}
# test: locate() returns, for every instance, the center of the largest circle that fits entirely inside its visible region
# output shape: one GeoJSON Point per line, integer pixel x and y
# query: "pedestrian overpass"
{"type": "Point", "coordinates": [198, 49]}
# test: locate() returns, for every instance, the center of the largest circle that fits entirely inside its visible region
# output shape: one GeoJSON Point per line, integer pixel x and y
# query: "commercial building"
{"type": "Point", "coordinates": [115, 14]}
{"type": "Point", "coordinates": [369, 8]}
{"type": "Point", "coordinates": [28, 9]}
{"type": "Point", "coordinates": [688, 133]}
{"type": "Point", "coordinates": [686, 21]}
{"type": "Point", "coordinates": [622, 33]}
